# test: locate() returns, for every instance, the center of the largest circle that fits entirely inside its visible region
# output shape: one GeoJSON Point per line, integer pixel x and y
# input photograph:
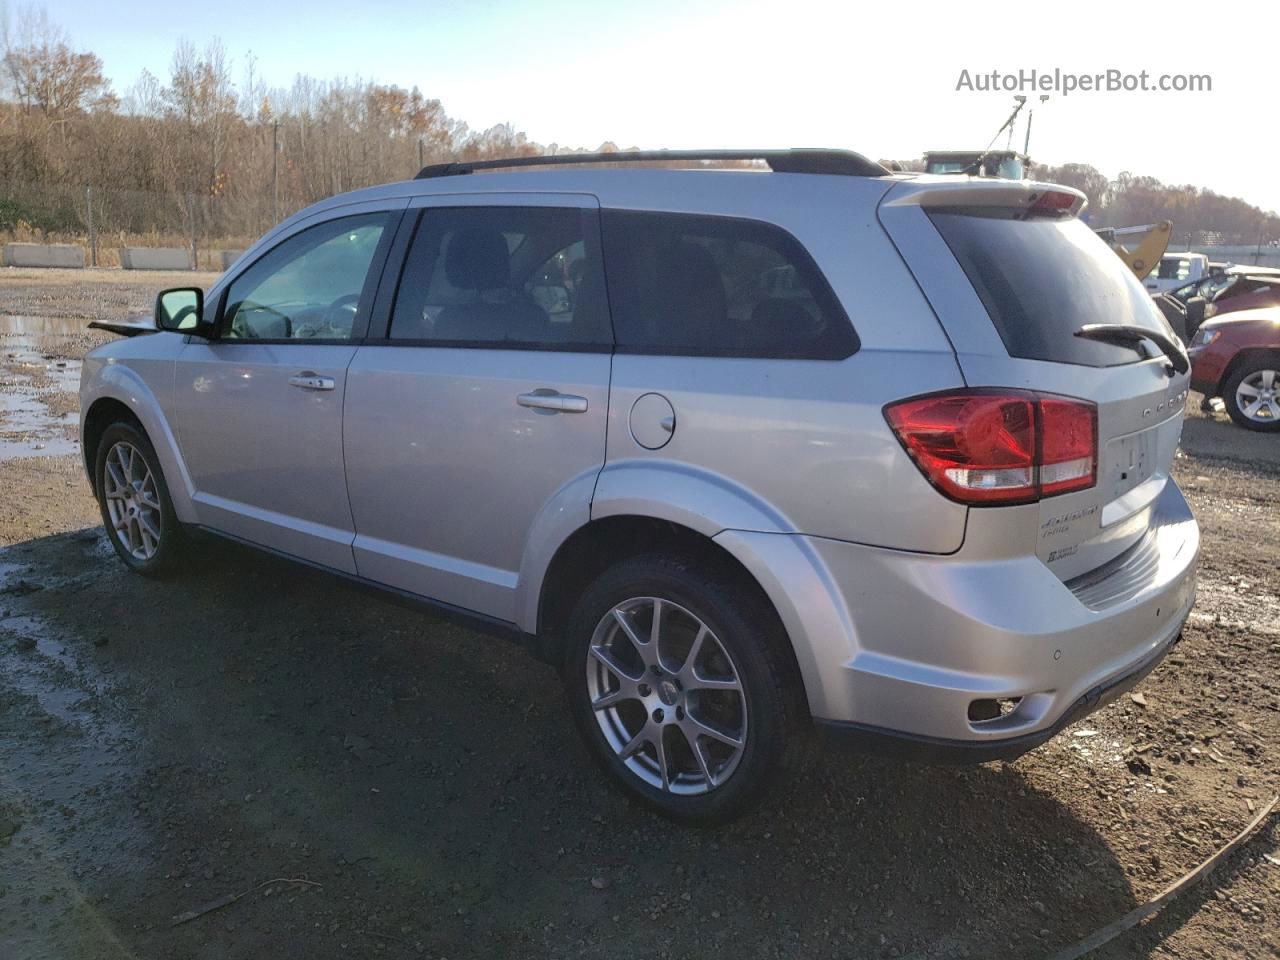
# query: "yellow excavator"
{"type": "Point", "coordinates": [1139, 247]}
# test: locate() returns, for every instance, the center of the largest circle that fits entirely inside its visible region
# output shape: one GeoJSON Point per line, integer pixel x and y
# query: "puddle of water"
{"type": "Point", "coordinates": [64, 748]}
{"type": "Point", "coordinates": [27, 427]}
{"type": "Point", "coordinates": [55, 674]}
{"type": "Point", "coordinates": [43, 326]}
{"type": "Point", "coordinates": [33, 430]}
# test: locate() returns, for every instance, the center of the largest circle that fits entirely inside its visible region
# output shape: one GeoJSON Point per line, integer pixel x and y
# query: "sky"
{"type": "Point", "coordinates": [880, 77]}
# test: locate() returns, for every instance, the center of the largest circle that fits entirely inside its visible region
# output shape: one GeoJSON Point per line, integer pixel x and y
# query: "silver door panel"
{"type": "Point", "coordinates": [266, 456]}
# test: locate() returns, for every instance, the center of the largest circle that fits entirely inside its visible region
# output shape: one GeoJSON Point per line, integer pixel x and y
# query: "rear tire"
{"type": "Point", "coordinates": [697, 723]}
{"type": "Point", "coordinates": [134, 501]}
{"type": "Point", "coordinates": [1252, 394]}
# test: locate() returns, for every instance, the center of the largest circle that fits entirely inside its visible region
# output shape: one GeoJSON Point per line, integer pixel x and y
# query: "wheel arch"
{"type": "Point", "coordinates": [1242, 358]}
{"type": "Point", "coordinates": [604, 542]}
{"type": "Point", "coordinates": [117, 394]}
{"type": "Point", "coordinates": [101, 414]}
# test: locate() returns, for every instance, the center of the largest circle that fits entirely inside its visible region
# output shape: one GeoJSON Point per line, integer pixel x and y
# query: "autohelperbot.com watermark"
{"type": "Point", "coordinates": [1064, 82]}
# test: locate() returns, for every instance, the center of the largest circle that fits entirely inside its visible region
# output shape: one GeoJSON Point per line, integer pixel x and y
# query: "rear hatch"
{"type": "Point", "coordinates": [1014, 276]}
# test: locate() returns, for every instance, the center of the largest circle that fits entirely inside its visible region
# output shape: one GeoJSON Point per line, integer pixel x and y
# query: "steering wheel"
{"type": "Point", "coordinates": [349, 301]}
{"type": "Point", "coordinates": [238, 325]}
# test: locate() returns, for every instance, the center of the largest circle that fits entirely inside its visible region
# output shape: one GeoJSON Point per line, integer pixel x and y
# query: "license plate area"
{"type": "Point", "coordinates": [1130, 461]}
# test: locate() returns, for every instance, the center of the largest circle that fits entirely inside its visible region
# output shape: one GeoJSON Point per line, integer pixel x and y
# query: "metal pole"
{"type": "Point", "coordinates": [1026, 144]}
{"type": "Point", "coordinates": [93, 233]}
{"type": "Point", "coordinates": [275, 171]}
{"type": "Point", "coordinates": [191, 207]}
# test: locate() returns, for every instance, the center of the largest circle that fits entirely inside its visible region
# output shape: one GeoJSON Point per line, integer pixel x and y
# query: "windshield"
{"type": "Point", "coordinates": [1042, 280]}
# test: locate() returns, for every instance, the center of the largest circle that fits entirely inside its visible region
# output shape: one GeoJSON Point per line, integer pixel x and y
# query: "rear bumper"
{"type": "Point", "coordinates": [895, 647]}
{"type": "Point", "coordinates": [938, 750]}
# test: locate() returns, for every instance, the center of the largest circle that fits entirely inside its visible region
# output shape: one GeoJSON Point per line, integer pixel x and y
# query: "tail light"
{"type": "Point", "coordinates": [988, 447]}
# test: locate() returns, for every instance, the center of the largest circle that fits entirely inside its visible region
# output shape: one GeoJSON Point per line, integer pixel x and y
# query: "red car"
{"type": "Point", "coordinates": [1230, 292]}
{"type": "Point", "coordinates": [1236, 356]}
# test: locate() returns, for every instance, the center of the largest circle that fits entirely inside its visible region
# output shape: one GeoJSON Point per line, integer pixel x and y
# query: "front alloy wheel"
{"type": "Point", "coordinates": [133, 503]}
{"type": "Point", "coordinates": [667, 696]}
{"type": "Point", "coordinates": [1252, 394]}
{"type": "Point", "coordinates": [1258, 396]}
{"type": "Point", "coordinates": [134, 500]}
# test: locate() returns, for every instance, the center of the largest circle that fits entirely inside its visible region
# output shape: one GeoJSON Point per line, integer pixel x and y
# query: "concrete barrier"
{"type": "Point", "coordinates": [44, 255]}
{"type": "Point", "coordinates": [154, 258]}
{"type": "Point", "coordinates": [229, 257]}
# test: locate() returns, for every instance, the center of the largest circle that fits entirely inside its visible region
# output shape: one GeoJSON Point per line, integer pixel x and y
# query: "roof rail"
{"type": "Point", "coordinates": [840, 162]}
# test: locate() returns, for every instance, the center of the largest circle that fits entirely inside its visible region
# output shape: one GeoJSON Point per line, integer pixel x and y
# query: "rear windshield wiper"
{"type": "Point", "coordinates": [1131, 334]}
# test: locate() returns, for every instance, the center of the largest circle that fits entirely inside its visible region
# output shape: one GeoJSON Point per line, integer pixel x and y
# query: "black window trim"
{"type": "Point", "coordinates": [591, 235]}
{"type": "Point", "coordinates": [394, 246]}
{"type": "Point", "coordinates": [799, 255]}
{"type": "Point", "coordinates": [372, 282]}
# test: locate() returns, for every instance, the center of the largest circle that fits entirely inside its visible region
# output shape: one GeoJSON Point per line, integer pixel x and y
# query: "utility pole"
{"type": "Point", "coordinates": [275, 171]}
{"type": "Point", "coordinates": [93, 232]}
{"type": "Point", "coordinates": [195, 251]}
{"type": "Point", "coordinates": [1021, 103]}
{"type": "Point", "coordinates": [1026, 144]}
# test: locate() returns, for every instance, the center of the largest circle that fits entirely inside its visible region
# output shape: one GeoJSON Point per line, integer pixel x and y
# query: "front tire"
{"type": "Point", "coordinates": [679, 681]}
{"type": "Point", "coordinates": [134, 501]}
{"type": "Point", "coordinates": [1252, 394]}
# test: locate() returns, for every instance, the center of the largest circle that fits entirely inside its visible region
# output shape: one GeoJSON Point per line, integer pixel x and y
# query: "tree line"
{"type": "Point", "coordinates": [1199, 216]}
{"type": "Point", "coordinates": [198, 154]}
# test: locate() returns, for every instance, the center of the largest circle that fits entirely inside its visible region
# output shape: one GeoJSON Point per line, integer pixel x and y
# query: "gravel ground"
{"type": "Point", "coordinates": [344, 777]}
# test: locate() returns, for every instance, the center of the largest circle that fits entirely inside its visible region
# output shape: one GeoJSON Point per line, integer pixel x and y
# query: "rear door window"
{"type": "Point", "coordinates": [1042, 280]}
{"type": "Point", "coordinates": [509, 277]}
{"type": "Point", "coordinates": [718, 286]}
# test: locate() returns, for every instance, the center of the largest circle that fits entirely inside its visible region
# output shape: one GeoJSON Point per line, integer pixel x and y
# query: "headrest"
{"type": "Point", "coordinates": [477, 259]}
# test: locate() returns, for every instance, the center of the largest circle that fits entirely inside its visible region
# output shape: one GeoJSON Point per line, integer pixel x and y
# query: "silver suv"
{"type": "Point", "coordinates": [741, 451]}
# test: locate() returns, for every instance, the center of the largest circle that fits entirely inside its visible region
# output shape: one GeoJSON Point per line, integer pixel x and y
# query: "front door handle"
{"type": "Point", "coordinates": [552, 401]}
{"type": "Point", "coordinates": [307, 380]}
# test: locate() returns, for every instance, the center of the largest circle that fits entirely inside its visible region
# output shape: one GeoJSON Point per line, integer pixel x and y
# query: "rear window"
{"type": "Point", "coordinates": [1171, 269]}
{"type": "Point", "coordinates": [1042, 280]}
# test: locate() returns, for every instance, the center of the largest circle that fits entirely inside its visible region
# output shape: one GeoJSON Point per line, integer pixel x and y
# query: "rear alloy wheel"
{"type": "Point", "coordinates": [680, 682]}
{"type": "Point", "coordinates": [1252, 395]}
{"type": "Point", "coordinates": [134, 500]}
{"type": "Point", "coordinates": [666, 696]}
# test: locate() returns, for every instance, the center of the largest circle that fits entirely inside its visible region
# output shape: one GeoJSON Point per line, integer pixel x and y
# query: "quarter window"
{"type": "Point", "coordinates": [718, 286]}
{"type": "Point", "coordinates": [313, 286]}
{"type": "Point", "coordinates": [511, 277]}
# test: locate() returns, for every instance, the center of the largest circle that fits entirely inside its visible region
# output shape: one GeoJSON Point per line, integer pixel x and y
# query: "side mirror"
{"type": "Point", "coordinates": [1196, 314]}
{"type": "Point", "coordinates": [182, 310]}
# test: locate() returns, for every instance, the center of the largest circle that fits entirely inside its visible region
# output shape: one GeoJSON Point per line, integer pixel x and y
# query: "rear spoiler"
{"type": "Point", "coordinates": [1036, 199]}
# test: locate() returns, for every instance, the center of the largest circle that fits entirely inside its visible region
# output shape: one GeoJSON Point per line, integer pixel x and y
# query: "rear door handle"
{"type": "Point", "coordinates": [307, 380]}
{"type": "Point", "coordinates": [552, 401]}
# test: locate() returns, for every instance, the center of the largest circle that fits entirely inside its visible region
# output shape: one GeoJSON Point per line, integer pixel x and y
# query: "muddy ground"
{"type": "Point", "coordinates": [352, 779]}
